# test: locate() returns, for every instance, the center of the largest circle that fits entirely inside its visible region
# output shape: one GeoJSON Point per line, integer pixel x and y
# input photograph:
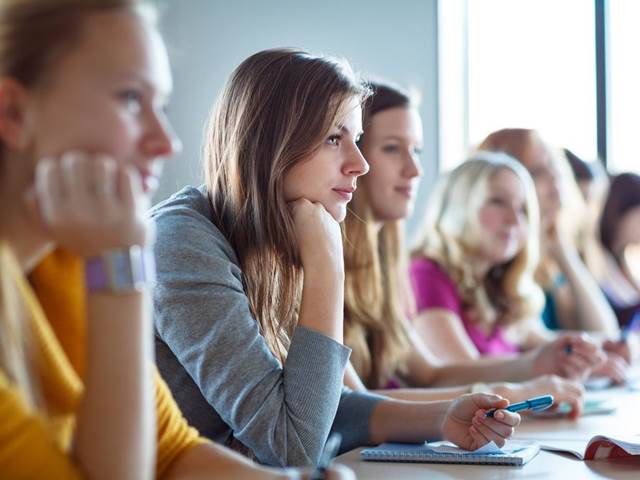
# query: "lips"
{"type": "Point", "coordinates": [345, 192]}
{"type": "Point", "coordinates": [405, 191]}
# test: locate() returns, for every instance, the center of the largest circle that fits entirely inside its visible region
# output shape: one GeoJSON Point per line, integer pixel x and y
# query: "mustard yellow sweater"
{"type": "Point", "coordinates": [35, 444]}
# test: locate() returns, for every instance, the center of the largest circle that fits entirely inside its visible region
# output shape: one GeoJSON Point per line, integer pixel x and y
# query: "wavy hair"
{"type": "Point", "coordinates": [508, 294]}
{"type": "Point", "coordinates": [275, 111]}
{"type": "Point", "coordinates": [377, 293]}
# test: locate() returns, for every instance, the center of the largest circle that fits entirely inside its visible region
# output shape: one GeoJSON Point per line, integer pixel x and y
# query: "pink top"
{"type": "Point", "coordinates": [434, 289]}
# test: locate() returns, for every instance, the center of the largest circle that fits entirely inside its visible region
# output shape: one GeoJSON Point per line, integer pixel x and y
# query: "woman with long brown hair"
{"type": "Point", "coordinates": [249, 299]}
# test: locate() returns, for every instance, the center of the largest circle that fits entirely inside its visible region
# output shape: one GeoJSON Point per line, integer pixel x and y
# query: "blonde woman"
{"type": "Point", "coordinates": [83, 134]}
{"type": "Point", "coordinates": [387, 352]}
{"type": "Point", "coordinates": [572, 298]}
{"type": "Point", "coordinates": [472, 272]}
{"type": "Point", "coordinates": [249, 300]}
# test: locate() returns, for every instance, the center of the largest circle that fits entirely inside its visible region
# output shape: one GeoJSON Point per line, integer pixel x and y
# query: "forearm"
{"type": "Point", "coordinates": [407, 421]}
{"type": "Point", "coordinates": [486, 369]}
{"type": "Point", "coordinates": [590, 308]}
{"type": "Point", "coordinates": [210, 461]}
{"type": "Point", "coordinates": [322, 304]}
{"type": "Point", "coordinates": [424, 394]}
{"type": "Point", "coordinates": [115, 434]}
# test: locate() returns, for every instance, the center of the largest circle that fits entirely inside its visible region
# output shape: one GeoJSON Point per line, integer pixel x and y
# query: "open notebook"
{"type": "Point", "coordinates": [514, 453]}
{"type": "Point", "coordinates": [597, 448]}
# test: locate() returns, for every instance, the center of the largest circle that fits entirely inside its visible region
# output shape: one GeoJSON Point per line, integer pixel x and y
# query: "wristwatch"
{"type": "Point", "coordinates": [125, 270]}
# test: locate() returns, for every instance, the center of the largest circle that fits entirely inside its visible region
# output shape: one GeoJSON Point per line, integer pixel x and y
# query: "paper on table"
{"type": "Point", "coordinates": [488, 449]}
{"type": "Point", "coordinates": [447, 447]}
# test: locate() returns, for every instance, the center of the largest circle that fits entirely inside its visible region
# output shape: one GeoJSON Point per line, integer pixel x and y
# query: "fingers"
{"type": "Point", "coordinates": [340, 472]}
{"type": "Point", "coordinates": [614, 368]}
{"type": "Point", "coordinates": [486, 401]}
{"type": "Point", "coordinates": [48, 189]}
{"type": "Point", "coordinates": [621, 348]}
{"type": "Point", "coordinates": [88, 203]}
{"type": "Point", "coordinates": [582, 346]}
{"type": "Point", "coordinates": [498, 428]}
{"type": "Point", "coordinates": [577, 355]}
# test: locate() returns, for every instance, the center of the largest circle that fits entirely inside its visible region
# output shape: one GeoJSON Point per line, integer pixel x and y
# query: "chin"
{"type": "Point", "coordinates": [338, 214]}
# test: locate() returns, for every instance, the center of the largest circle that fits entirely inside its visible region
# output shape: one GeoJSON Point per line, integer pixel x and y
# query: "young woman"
{"type": "Point", "coordinates": [573, 300]}
{"type": "Point", "coordinates": [378, 302]}
{"type": "Point", "coordinates": [619, 234]}
{"type": "Point", "coordinates": [82, 91]}
{"type": "Point", "coordinates": [249, 300]}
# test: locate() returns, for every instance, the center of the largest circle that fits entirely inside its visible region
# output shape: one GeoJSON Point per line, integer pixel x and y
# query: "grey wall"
{"type": "Point", "coordinates": [208, 38]}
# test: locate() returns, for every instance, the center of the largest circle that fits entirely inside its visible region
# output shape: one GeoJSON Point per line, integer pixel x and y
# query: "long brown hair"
{"type": "Point", "coordinates": [275, 110]}
{"type": "Point", "coordinates": [377, 298]}
{"type": "Point", "coordinates": [34, 34]}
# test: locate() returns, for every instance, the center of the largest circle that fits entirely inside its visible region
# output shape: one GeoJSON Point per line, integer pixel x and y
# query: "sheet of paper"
{"type": "Point", "coordinates": [488, 449]}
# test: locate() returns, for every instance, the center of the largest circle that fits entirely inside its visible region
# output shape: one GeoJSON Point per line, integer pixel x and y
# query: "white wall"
{"type": "Point", "coordinates": [208, 38]}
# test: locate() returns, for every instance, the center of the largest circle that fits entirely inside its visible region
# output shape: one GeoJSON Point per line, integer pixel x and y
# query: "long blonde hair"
{"type": "Point", "coordinates": [275, 111]}
{"type": "Point", "coordinates": [34, 34]}
{"type": "Point", "coordinates": [377, 293]}
{"type": "Point", "coordinates": [508, 293]}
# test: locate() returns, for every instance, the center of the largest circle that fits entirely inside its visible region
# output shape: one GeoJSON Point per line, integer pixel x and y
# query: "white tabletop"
{"type": "Point", "coordinates": [624, 421]}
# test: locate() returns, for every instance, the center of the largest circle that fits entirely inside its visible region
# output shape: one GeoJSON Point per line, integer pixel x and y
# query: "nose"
{"type": "Point", "coordinates": [354, 163]}
{"type": "Point", "coordinates": [161, 140]}
{"type": "Point", "coordinates": [412, 166]}
{"type": "Point", "coordinates": [511, 217]}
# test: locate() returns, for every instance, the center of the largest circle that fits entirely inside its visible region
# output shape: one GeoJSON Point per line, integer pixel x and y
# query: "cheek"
{"type": "Point", "coordinates": [488, 219]}
{"type": "Point", "coordinates": [110, 136]}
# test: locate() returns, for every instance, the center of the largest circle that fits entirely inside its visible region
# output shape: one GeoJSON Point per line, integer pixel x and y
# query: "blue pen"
{"type": "Point", "coordinates": [536, 403]}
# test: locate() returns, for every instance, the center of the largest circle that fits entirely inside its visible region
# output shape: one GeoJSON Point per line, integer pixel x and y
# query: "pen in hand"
{"type": "Point", "coordinates": [537, 403]}
{"type": "Point", "coordinates": [330, 450]}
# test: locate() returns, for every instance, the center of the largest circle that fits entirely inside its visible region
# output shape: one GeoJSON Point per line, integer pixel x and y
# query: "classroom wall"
{"type": "Point", "coordinates": [207, 39]}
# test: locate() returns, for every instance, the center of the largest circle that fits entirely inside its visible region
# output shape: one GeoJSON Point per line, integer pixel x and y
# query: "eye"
{"type": "Point", "coordinates": [390, 148]}
{"type": "Point", "coordinates": [417, 151]}
{"type": "Point", "coordinates": [132, 100]}
{"type": "Point", "coordinates": [334, 140]}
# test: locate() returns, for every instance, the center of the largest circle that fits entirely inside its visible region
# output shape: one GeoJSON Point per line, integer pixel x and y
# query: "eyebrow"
{"type": "Point", "coordinates": [345, 130]}
{"type": "Point", "coordinates": [398, 138]}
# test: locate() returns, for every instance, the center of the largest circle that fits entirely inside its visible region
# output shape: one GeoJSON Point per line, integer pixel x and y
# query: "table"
{"type": "Point", "coordinates": [625, 421]}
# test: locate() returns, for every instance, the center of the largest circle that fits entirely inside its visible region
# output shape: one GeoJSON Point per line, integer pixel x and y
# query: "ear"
{"type": "Point", "coordinates": [13, 112]}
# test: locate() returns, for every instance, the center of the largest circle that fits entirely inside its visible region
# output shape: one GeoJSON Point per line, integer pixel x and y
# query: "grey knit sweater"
{"type": "Point", "coordinates": [218, 366]}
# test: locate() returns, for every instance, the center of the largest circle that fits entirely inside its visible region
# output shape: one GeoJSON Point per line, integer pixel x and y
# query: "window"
{"type": "Point", "coordinates": [529, 63]}
{"type": "Point", "coordinates": [623, 86]}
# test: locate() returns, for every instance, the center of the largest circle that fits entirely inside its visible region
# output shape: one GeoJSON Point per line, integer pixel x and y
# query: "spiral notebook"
{"type": "Point", "coordinates": [514, 453]}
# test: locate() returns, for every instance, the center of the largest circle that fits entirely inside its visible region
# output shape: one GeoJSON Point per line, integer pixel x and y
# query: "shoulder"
{"type": "Point", "coordinates": [432, 286]}
{"type": "Point", "coordinates": [184, 227]}
{"type": "Point", "coordinates": [424, 268]}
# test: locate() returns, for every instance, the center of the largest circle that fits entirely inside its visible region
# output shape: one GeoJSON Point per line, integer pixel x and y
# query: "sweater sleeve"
{"type": "Point", "coordinates": [282, 413]}
{"type": "Point", "coordinates": [27, 448]}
